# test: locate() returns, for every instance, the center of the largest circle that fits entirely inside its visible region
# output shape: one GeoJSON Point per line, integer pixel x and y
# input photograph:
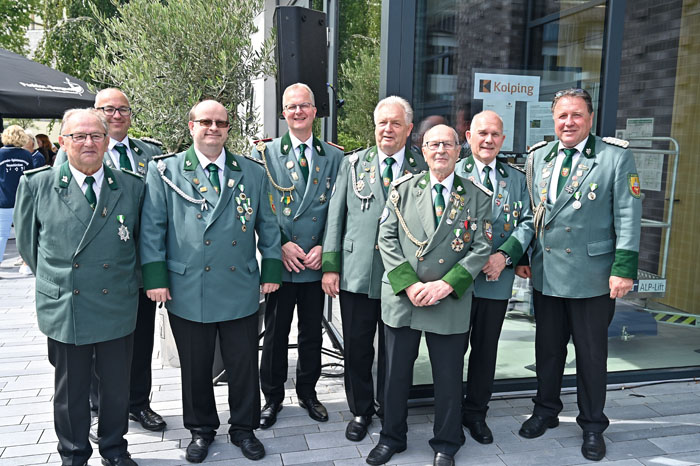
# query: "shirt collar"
{"type": "Point", "coordinates": [446, 183]}
{"type": "Point", "coordinates": [114, 142]}
{"type": "Point", "coordinates": [398, 156]}
{"type": "Point", "coordinates": [80, 176]}
{"type": "Point", "coordinates": [296, 141]}
{"type": "Point", "coordinates": [579, 147]}
{"type": "Point", "coordinates": [204, 161]}
{"type": "Point", "coordinates": [480, 165]}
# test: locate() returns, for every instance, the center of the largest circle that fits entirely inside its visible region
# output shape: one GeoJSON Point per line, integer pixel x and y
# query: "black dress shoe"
{"type": "Point", "coordinates": [198, 449]}
{"type": "Point", "coordinates": [479, 431]}
{"type": "Point", "coordinates": [268, 415]}
{"type": "Point", "coordinates": [93, 429]}
{"type": "Point", "coordinates": [149, 420]}
{"type": "Point", "coordinates": [537, 425]}
{"type": "Point", "coordinates": [593, 447]}
{"type": "Point", "coordinates": [382, 453]}
{"type": "Point", "coordinates": [251, 447]}
{"type": "Point", "coordinates": [443, 459]}
{"type": "Point", "coordinates": [316, 410]}
{"type": "Point", "coordinates": [122, 460]}
{"type": "Point", "coordinates": [357, 428]}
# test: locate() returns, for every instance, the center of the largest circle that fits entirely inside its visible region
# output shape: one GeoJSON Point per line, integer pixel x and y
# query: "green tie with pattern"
{"type": "Point", "coordinates": [565, 169]}
{"type": "Point", "coordinates": [388, 173]}
{"type": "Point", "coordinates": [303, 163]}
{"type": "Point", "coordinates": [214, 177]}
{"type": "Point", "coordinates": [439, 203]}
{"type": "Point", "coordinates": [487, 178]}
{"type": "Point", "coordinates": [90, 193]}
{"type": "Point", "coordinates": [124, 162]}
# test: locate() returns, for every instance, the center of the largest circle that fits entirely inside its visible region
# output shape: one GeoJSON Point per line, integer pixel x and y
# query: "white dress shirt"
{"type": "Point", "coordinates": [114, 155]}
{"type": "Point", "coordinates": [398, 162]}
{"type": "Point", "coordinates": [79, 177]}
{"type": "Point", "coordinates": [480, 170]}
{"type": "Point", "coordinates": [552, 194]}
{"type": "Point", "coordinates": [308, 153]}
{"type": "Point", "coordinates": [220, 162]}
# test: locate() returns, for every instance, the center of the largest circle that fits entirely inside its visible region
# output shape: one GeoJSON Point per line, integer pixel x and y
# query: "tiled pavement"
{"type": "Point", "coordinates": [651, 425]}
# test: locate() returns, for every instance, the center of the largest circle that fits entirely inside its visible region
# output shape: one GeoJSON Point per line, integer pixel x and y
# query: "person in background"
{"type": "Point", "coordinates": [38, 159]}
{"type": "Point", "coordinates": [46, 148]}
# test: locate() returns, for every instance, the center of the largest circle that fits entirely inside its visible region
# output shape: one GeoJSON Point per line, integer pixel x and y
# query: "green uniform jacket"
{"type": "Point", "coordinates": [510, 211]}
{"type": "Point", "coordinates": [207, 256]}
{"type": "Point", "coordinates": [302, 214]}
{"type": "Point", "coordinates": [141, 151]}
{"type": "Point", "coordinates": [83, 260]}
{"type": "Point", "coordinates": [454, 252]}
{"type": "Point", "coordinates": [350, 242]}
{"type": "Point", "coordinates": [577, 250]}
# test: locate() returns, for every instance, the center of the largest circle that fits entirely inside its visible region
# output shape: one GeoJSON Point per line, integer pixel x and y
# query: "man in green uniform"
{"type": "Point", "coordinates": [586, 221]}
{"type": "Point", "coordinates": [202, 210]}
{"type": "Point", "coordinates": [125, 153]}
{"type": "Point", "coordinates": [352, 266]}
{"type": "Point", "coordinates": [493, 287]}
{"type": "Point", "coordinates": [302, 169]}
{"type": "Point", "coordinates": [434, 237]}
{"type": "Point", "coordinates": [77, 225]}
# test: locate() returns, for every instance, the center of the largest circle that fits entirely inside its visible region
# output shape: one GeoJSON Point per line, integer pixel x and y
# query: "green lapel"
{"type": "Point", "coordinates": [286, 143]}
{"type": "Point", "coordinates": [64, 175]}
{"type": "Point", "coordinates": [589, 149]}
{"type": "Point", "coordinates": [190, 160]}
{"type": "Point", "coordinates": [105, 206]}
{"type": "Point", "coordinates": [134, 148]}
{"type": "Point", "coordinates": [501, 169]}
{"type": "Point", "coordinates": [109, 178]}
{"type": "Point", "coordinates": [231, 162]}
{"type": "Point", "coordinates": [469, 164]}
{"type": "Point", "coordinates": [319, 147]}
{"type": "Point", "coordinates": [552, 152]}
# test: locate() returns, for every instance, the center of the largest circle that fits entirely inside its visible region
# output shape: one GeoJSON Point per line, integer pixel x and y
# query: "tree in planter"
{"type": "Point", "coordinates": [166, 56]}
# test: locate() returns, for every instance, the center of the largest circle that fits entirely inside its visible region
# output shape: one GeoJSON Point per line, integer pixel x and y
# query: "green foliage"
{"type": "Point", "coordinates": [170, 55]}
{"type": "Point", "coordinates": [16, 17]}
{"type": "Point", "coordinates": [62, 47]}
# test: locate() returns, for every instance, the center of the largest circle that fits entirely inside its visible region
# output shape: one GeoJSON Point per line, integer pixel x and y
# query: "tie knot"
{"type": "Point", "coordinates": [212, 168]}
{"type": "Point", "coordinates": [302, 149]}
{"type": "Point", "coordinates": [569, 152]}
{"type": "Point", "coordinates": [438, 188]}
{"type": "Point", "coordinates": [90, 180]}
{"type": "Point", "coordinates": [389, 161]}
{"type": "Point", "coordinates": [487, 170]}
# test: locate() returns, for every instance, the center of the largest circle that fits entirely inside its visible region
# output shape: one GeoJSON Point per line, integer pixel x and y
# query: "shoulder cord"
{"type": "Point", "coordinates": [364, 200]}
{"type": "Point", "coordinates": [261, 149]}
{"type": "Point", "coordinates": [202, 202]}
{"type": "Point", "coordinates": [394, 196]}
{"type": "Point", "coordinates": [538, 212]}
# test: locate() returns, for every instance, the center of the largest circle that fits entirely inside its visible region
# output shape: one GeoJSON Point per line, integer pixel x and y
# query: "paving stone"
{"type": "Point", "coordinates": [632, 449]}
{"type": "Point", "coordinates": [557, 457]}
{"type": "Point", "coordinates": [286, 431]}
{"type": "Point", "coordinates": [681, 459]}
{"type": "Point", "coordinates": [651, 433]}
{"type": "Point", "coordinates": [286, 444]}
{"type": "Point", "coordinates": [22, 460]}
{"type": "Point", "coordinates": [677, 443]}
{"type": "Point", "coordinates": [325, 454]}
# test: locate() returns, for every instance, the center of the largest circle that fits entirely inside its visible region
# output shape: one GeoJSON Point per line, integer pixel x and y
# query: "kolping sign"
{"type": "Point", "coordinates": [505, 86]}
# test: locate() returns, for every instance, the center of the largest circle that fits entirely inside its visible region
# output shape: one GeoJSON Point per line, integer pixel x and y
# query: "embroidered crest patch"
{"type": "Point", "coordinates": [634, 185]}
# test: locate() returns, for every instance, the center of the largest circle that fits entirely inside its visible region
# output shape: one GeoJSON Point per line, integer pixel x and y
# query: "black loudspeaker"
{"type": "Point", "coordinates": [302, 53]}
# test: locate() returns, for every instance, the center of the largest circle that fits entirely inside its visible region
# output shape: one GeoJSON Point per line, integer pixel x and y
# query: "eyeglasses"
{"type": "Point", "coordinates": [303, 106]}
{"type": "Point", "coordinates": [435, 145]}
{"type": "Point", "coordinates": [80, 138]}
{"type": "Point", "coordinates": [207, 123]}
{"type": "Point", "coordinates": [109, 111]}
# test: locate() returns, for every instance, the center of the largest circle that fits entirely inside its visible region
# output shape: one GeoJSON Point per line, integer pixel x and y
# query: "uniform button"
{"type": "Point", "coordinates": [233, 269]}
{"type": "Point", "coordinates": [568, 229]}
{"type": "Point", "coordinates": [442, 261]}
{"type": "Point", "coordinates": [547, 227]}
{"type": "Point", "coordinates": [105, 266]}
{"type": "Point", "coordinates": [568, 250]}
{"type": "Point", "coordinates": [376, 246]}
{"type": "Point", "coordinates": [207, 268]}
{"type": "Point", "coordinates": [105, 291]}
{"type": "Point", "coordinates": [76, 265]}
{"type": "Point", "coordinates": [199, 215]}
{"type": "Point", "coordinates": [207, 242]}
{"type": "Point", "coordinates": [547, 249]}
{"type": "Point", "coordinates": [76, 291]}
{"type": "Point", "coordinates": [503, 235]}
{"type": "Point", "coordinates": [294, 237]}
{"type": "Point", "coordinates": [314, 219]}
{"type": "Point", "coordinates": [421, 259]}
{"type": "Point", "coordinates": [295, 219]}
{"type": "Point", "coordinates": [313, 238]}
{"type": "Point", "coordinates": [233, 243]}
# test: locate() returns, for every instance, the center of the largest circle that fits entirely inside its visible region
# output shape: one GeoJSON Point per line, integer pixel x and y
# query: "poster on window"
{"type": "Point", "coordinates": [539, 124]}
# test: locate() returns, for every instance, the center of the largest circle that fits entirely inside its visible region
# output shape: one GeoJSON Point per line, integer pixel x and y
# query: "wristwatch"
{"type": "Point", "coordinates": [507, 257]}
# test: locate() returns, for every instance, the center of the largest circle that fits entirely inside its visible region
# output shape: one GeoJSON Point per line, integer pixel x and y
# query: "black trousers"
{"type": "Point", "coordinates": [486, 321]}
{"type": "Point", "coordinates": [140, 389]}
{"type": "Point", "coordinates": [308, 299]}
{"type": "Point", "coordinates": [73, 371]}
{"type": "Point", "coordinates": [586, 320]}
{"type": "Point", "coordinates": [361, 316]}
{"type": "Point", "coordinates": [195, 343]}
{"type": "Point", "coordinates": [447, 361]}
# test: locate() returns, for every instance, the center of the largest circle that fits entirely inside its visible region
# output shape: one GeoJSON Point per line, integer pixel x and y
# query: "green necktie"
{"type": "Point", "coordinates": [439, 203]}
{"type": "Point", "coordinates": [90, 193]}
{"type": "Point", "coordinates": [303, 163]}
{"type": "Point", "coordinates": [565, 169]}
{"type": "Point", "coordinates": [487, 177]}
{"type": "Point", "coordinates": [214, 177]}
{"type": "Point", "coordinates": [124, 162]}
{"type": "Point", "coordinates": [388, 174]}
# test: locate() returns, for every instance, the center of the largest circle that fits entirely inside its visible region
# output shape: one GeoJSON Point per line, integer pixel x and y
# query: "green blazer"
{"type": "Point", "coordinates": [350, 242]}
{"type": "Point", "coordinates": [454, 252]}
{"type": "Point", "coordinates": [204, 251]}
{"type": "Point", "coordinates": [84, 260]}
{"type": "Point", "coordinates": [141, 151]}
{"type": "Point", "coordinates": [302, 212]}
{"type": "Point", "coordinates": [510, 211]}
{"type": "Point", "coordinates": [592, 230]}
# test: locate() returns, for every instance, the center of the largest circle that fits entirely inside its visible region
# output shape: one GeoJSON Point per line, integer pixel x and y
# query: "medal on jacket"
{"type": "Point", "coordinates": [577, 203]}
{"type": "Point", "coordinates": [457, 243]}
{"type": "Point", "coordinates": [244, 210]}
{"type": "Point", "coordinates": [123, 231]}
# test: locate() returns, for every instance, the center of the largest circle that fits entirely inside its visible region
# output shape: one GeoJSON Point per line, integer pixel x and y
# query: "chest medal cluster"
{"type": "Point", "coordinates": [243, 208]}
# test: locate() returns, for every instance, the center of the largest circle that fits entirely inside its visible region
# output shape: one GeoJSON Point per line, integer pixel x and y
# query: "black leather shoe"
{"type": "Point", "coordinates": [268, 415]}
{"type": "Point", "coordinates": [479, 431]}
{"type": "Point", "coordinates": [443, 459]}
{"type": "Point", "coordinates": [123, 460]}
{"type": "Point", "coordinates": [537, 425]}
{"type": "Point", "coordinates": [149, 420]}
{"type": "Point", "coordinates": [593, 447]}
{"type": "Point", "coordinates": [251, 447]}
{"type": "Point", "coordinates": [93, 429]}
{"type": "Point", "coordinates": [357, 428]}
{"type": "Point", "coordinates": [382, 453]}
{"type": "Point", "coordinates": [198, 449]}
{"type": "Point", "coordinates": [316, 410]}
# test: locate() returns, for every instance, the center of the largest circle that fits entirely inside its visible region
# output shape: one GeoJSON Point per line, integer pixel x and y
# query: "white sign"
{"type": "Point", "coordinates": [489, 86]}
{"type": "Point", "coordinates": [540, 125]}
{"type": "Point", "coordinates": [639, 128]}
{"type": "Point", "coordinates": [506, 110]}
{"type": "Point", "coordinates": [650, 168]}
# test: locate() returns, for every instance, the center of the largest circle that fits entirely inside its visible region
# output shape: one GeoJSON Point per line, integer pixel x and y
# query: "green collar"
{"type": "Point", "coordinates": [469, 165]}
{"type": "Point", "coordinates": [371, 154]}
{"type": "Point", "coordinates": [588, 150]}
{"type": "Point", "coordinates": [286, 145]}
{"type": "Point", "coordinates": [457, 185]}
{"type": "Point", "coordinates": [425, 181]}
{"type": "Point", "coordinates": [191, 161]}
{"type": "Point", "coordinates": [409, 155]}
{"type": "Point", "coordinates": [65, 176]}
{"type": "Point", "coordinates": [134, 148]}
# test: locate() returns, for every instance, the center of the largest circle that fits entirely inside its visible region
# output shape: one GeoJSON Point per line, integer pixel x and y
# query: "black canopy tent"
{"type": "Point", "coordinates": [31, 90]}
